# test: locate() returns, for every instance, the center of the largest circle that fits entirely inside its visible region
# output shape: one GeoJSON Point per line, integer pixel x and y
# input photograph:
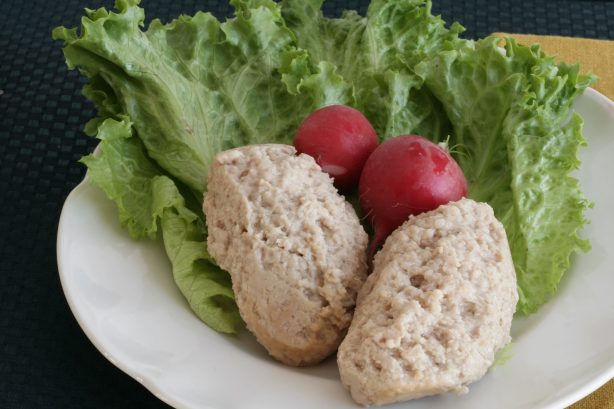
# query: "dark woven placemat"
{"type": "Point", "coordinates": [45, 359]}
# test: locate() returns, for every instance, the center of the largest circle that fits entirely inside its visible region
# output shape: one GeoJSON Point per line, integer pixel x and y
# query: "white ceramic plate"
{"type": "Point", "coordinates": [123, 296]}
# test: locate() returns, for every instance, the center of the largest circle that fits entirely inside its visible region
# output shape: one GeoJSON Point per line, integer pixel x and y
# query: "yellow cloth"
{"type": "Point", "coordinates": [596, 56]}
{"type": "Point", "coordinates": [602, 398]}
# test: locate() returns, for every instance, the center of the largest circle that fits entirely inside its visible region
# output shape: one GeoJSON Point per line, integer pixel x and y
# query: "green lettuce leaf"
{"type": "Point", "coordinates": [195, 86]}
{"type": "Point", "coordinates": [171, 96]}
{"type": "Point", "coordinates": [518, 145]}
{"type": "Point", "coordinates": [376, 54]}
{"type": "Point", "coordinates": [206, 287]}
{"type": "Point", "coordinates": [121, 168]}
{"type": "Point", "coordinates": [146, 198]}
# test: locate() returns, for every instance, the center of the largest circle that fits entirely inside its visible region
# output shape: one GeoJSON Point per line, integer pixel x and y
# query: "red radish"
{"type": "Point", "coordinates": [340, 139]}
{"type": "Point", "coordinates": [407, 175]}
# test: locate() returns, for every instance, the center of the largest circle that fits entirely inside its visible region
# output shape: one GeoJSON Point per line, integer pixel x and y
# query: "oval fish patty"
{"type": "Point", "coordinates": [435, 310]}
{"type": "Point", "coordinates": [293, 246]}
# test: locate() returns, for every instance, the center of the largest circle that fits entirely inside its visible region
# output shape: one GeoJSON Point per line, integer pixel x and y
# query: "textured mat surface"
{"type": "Point", "coordinates": [45, 359]}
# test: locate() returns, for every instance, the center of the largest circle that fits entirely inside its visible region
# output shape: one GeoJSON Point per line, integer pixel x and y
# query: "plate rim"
{"type": "Point", "coordinates": [149, 384]}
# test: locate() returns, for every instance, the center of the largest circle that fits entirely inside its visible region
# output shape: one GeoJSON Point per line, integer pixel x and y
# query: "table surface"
{"type": "Point", "coordinates": [45, 359]}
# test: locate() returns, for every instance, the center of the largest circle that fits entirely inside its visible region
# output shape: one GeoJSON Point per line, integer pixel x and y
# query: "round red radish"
{"type": "Point", "coordinates": [340, 139]}
{"type": "Point", "coordinates": [407, 175]}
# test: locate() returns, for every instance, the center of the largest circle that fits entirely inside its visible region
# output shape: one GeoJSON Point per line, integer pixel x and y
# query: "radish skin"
{"type": "Point", "coordinates": [340, 139]}
{"type": "Point", "coordinates": [404, 176]}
